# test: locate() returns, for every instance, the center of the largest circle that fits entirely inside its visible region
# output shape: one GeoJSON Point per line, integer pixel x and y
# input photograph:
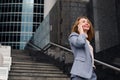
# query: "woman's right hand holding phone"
{"type": "Point", "coordinates": [80, 29]}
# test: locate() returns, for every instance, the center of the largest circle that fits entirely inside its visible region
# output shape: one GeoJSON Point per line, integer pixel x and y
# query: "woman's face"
{"type": "Point", "coordinates": [85, 24]}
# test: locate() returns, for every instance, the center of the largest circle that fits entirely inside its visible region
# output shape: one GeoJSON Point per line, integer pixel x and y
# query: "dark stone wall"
{"type": "Point", "coordinates": [69, 13]}
{"type": "Point", "coordinates": [118, 14]}
{"type": "Point", "coordinates": [62, 16]}
{"type": "Point", "coordinates": [105, 23]}
{"type": "Point", "coordinates": [105, 17]}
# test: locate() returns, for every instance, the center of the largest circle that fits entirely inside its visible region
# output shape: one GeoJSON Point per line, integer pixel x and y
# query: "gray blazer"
{"type": "Point", "coordinates": [82, 65]}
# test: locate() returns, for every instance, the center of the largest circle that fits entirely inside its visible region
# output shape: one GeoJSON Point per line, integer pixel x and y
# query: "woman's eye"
{"type": "Point", "coordinates": [83, 21]}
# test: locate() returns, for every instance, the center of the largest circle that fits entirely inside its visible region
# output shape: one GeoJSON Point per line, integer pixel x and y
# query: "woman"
{"type": "Point", "coordinates": [83, 65]}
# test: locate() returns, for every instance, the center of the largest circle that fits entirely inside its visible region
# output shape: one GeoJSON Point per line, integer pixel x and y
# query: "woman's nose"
{"type": "Point", "coordinates": [87, 24]}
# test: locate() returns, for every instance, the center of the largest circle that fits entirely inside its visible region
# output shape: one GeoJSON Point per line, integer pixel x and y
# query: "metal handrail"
{"type": "Point", "coordinates": [97, 61]}
{"type": "Point", "coordinates": [37, 48]}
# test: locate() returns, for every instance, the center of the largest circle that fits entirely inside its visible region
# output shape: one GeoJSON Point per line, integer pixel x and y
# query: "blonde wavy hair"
{"type": "Point", "coordinates": [90, 33]}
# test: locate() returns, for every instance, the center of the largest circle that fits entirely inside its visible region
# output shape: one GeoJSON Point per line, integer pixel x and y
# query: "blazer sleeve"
{"type": "Point", "coordinates": [77, 40]}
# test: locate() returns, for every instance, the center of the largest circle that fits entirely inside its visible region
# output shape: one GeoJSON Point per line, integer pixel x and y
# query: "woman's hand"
{"type": "Point", "coordinates": [80, 29]}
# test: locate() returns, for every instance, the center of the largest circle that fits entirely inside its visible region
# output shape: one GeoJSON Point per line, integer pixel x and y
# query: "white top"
{"type": "Point", "coordinates": [91, 52]}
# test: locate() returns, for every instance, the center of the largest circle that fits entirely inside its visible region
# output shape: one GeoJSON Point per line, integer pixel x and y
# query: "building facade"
{"type": "Point", "coordinates": [18, 21]}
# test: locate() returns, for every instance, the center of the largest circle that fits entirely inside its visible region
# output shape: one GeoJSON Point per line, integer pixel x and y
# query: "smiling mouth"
{"type": "Point", "coordinates": [86, 26]}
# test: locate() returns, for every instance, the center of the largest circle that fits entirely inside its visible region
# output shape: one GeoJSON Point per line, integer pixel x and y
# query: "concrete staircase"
{"type": "Point", "coordinates": [24, 68]}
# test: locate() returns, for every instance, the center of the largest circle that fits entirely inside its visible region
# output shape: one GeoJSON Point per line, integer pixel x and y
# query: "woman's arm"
{"type": "Point", "coordinates": [78, 40]}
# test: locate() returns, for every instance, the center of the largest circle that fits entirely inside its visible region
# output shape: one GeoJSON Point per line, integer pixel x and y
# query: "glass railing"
{"type": "Point", "coordinates": [42, 35]}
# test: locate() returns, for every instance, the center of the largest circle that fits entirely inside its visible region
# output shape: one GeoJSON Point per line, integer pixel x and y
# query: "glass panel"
{"type": "Point", "coordinates": [43, 32]}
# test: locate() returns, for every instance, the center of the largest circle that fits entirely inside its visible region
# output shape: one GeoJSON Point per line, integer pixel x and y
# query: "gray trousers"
{"type": "Point", "coordinates": [93, 77]}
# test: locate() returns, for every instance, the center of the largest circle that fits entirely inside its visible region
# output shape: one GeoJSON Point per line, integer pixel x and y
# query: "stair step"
{"type": "Point", "coordinates": [25, 68]}
{"type": "Point", "coordinates": [20, 55]}
{"type": "Point", "coordinates": [25, 57]}
{"type": "Point", "coordinates": [19, 60]}
{"type": "Point", "coordinates": [32, 68]}
{"type": "Point", "coordinates": [38, 71]}
{"type": "Point", "coordinates": [36, 78]}
{"type": "Point", "coordinates": [36, 74]}
{"type": "Point", "coordinates": [31, 63]}
{"type": "Point", "coordinates": [35, 65]}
